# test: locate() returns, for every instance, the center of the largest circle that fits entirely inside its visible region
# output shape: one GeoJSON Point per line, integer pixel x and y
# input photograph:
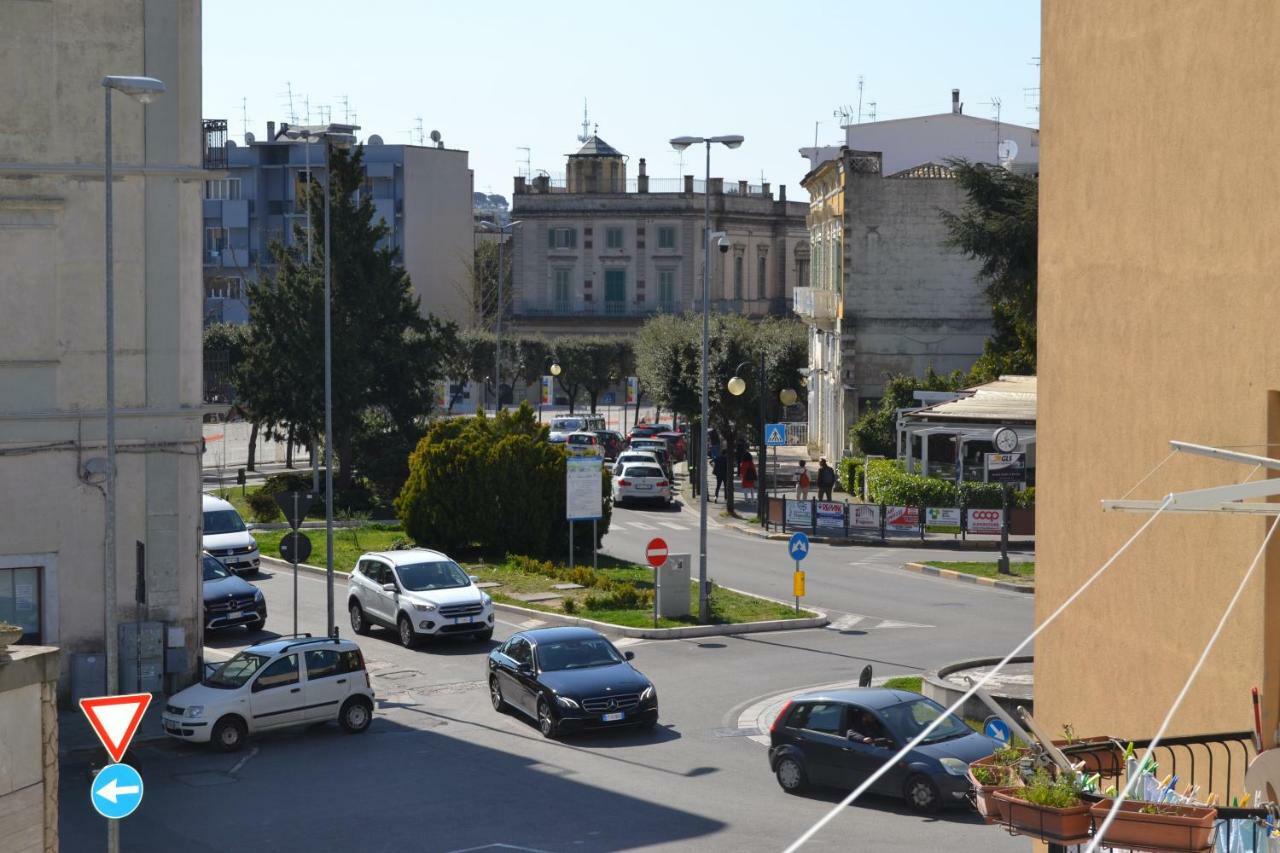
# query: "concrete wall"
{"type": "Point", "coordinates": [1158, 307]}
{"type": "Point", "coordinates": [52, 386]}
{"type": "Point", "coordinates": [29, 750]}
{"type": "Point", "coordinates": [439, 230]}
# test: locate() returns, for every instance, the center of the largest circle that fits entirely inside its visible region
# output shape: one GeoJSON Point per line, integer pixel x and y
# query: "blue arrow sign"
{"type": "Point", "coordinates": [116, 791]}
{"type": "Point", "coordinates": [996, 728]}
{"type": "Point", "coordinates": [775, 435]}
{"type": "Point", "coordinates": [798, 546]}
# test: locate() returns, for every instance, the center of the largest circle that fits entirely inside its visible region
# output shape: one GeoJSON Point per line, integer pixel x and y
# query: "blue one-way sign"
{"type": "Point", "coordinates": [775, 435]}
{"type": "Point", "coordinates": [116, 791]}
{"type": "Point", "coordinates": [798, 547]}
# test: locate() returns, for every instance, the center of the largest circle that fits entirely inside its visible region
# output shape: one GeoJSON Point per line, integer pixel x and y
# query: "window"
{"type": "Point", "coordinates": [350, 661]}
{"type": "Point", "coordinates": [224, 287]}
{"type": "Point", "coordinates": [215, 240]}
{"type": "Point", "coordinates": [518, 650]}
{"type": "Point", "coordinates": [322, 663]}
{"type": "Point", "coordinates": [666, 237]}
{"type": "Point", "coordinates": [667, 290]}
{"type": "Point", "coordinates": [375, 571]}
{"type": "Point", "coordinates": [562, 238]}
{"type": "Point", "coordinates": [20, 601]}
{"type": "Point", "coordinates": [737, 277]}
{"type": "Point", "coordinates": [802, 274]}
{"type": "Point", "coordinates": [762, 276]}
{"type": "Point", "coordinates": [825, 717]}
{"type": "Point", "coordinates": [613, 238]}
{"type": "Point", "coordinates": [560, 291]}
{"type": "Point", "coordinates": [615, 291]}
{"type": "Point", "coordinates": [280, 674]}
{"type": "Point", "coordinates": [222, 188]}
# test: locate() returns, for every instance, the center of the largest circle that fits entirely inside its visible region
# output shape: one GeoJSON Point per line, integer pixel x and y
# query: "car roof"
{"type": "Point", "coordinates": [547, 635]}
{"type": "Point", "coordinates": [875, 698]}
{"type": "Point", "coordinates": [209, 502]}
{"type": "Point", "coordinates": [275, 647]}
{"type": "Point", "coordinates": [405, 556]}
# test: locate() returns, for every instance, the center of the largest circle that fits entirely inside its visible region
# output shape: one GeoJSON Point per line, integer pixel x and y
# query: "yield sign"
{"type": "Point", "coordinates": [115, 719]}
{"type": "Point", "coordinates": [656, 551]}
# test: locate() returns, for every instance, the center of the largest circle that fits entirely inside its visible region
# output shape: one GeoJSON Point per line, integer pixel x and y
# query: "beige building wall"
{"type": "Point", "coordinates": [1158, 320]}
{"type": "Point", "coordinates": [439, 230]}
{"type": "Point", "coordinates": [52, 365]}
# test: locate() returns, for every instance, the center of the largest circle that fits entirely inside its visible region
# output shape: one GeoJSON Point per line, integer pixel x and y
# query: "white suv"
{"type": "Point", "coordinates": [226, 537]}
{"type": "Point", "coordinates": [285, 682]}
{"type": "Point", "coordinates": [418, 593]}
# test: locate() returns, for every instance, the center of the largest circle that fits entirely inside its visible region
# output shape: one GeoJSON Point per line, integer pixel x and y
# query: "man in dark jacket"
{"type": "Point", "coordinates": [826, 480]}
{"type": "Point", "coordinates": [719, 467]}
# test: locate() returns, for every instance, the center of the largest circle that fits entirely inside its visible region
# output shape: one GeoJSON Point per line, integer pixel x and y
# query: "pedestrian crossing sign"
{"type": "Point", "coordinates": [775, 435]}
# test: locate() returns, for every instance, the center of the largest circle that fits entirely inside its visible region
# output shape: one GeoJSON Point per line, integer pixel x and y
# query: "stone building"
{"type": "Point", "coordinates": [52, 321]}
{"type": "Point", "coordinates": [599, 252]}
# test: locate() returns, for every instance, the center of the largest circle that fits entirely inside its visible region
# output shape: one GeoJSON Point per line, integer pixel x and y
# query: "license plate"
{"type": "Point", "coordinates": [643, 486]}
{"type": "Point", "coordinates": [458, 620]}
{"type": "Point", "coordinates": [235, 614]}
{"type": "Point", "coordinates": [612, 718]}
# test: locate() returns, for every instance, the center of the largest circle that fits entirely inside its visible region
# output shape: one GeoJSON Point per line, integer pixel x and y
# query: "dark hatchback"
{"type": "Point", "coordinates": [839, 738]}
{"type": "Point", "coordinates": [230, 602]}
{"type": "Point", "coordinates": [568, 679]}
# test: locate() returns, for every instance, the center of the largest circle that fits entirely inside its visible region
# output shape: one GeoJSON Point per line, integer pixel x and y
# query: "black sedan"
{"type": "Point", "coordinates": [840, 737]}
{"type": "Point", "coordinates": [568, 679]}
{"type": "Point", "coordinates": [229, 601]}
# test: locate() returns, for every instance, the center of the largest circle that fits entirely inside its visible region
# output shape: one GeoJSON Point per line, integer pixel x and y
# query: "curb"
{"type": "Point", "coordinates": [281, 565]}
{"type": "Point", "coordinates": [937, 688]}
{"type": "Point", "coordinates": [921, 568]}
{"type": "Point", "coordinates": [951, 544]}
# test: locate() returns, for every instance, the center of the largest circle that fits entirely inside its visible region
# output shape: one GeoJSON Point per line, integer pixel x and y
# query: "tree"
{"type": "Point", "coordinates": [482, 284]}
{"type": "Point", "coordinates": [998, 226]}
{"type": "Point", "coordinates": [590, 364]}
{"type": "Point", "coordinates": [876, 431]}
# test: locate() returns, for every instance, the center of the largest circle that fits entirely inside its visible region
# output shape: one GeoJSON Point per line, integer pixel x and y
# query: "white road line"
{"type": "Point", "coordinates": [243, 761]}
{"type": "Point", "coordinates": [640, 525]}
{"type": "Point", "coordinates": [671, 526]}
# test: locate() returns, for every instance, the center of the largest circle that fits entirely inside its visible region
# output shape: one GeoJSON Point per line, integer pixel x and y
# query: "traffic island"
{"type": "Point", "coordinates": [1022, 576]}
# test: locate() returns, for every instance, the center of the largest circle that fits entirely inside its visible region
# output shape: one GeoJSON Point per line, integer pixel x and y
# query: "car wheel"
{"type": "Point", "coordinates": [408, 638]}
{"type": "Point", "coordinates": [256, 625]}
{"type": "Point", "coordinates": [356, 715]}
{"type": "Point", "coordinates": [546, 721]}
{"type": "Point", "coordinates": [495, 696]}
{"type": "Point", "coordinates": [921, 794]}
{"type": "Point", "coordinates": [359, 624]}
{"type": "Point", "coordinates": [228, 734]}
{"type": "Point", "coordinates": [791, 775]}
{"type": "Point", "coordinates": [483, 636]}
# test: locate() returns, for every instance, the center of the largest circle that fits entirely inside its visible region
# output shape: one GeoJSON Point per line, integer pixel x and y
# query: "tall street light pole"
{"type": "Point", "coordinates": [144, 89]}
{"type": "Point", "coordinates": [680, 143]}
{"type": "Point", "coordinates": [497, 333]}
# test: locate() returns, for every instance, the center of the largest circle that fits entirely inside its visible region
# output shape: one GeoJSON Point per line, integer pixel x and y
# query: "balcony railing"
{"type": "Point", "coordinates": [815, 304]}
{"type": "Point", "coordinates": [594, 309]}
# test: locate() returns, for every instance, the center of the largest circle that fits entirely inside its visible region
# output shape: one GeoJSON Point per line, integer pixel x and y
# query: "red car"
{"type": "Point", "coordinates": [675, 440]}
{"type": "Point", "coordinates": [646, 430]}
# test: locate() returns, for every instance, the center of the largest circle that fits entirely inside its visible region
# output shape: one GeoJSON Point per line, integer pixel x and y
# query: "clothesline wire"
{"type": "Point", "coordinates": [1150, 474]}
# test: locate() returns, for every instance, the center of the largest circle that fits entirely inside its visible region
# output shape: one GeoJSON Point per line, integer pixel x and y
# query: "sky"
{"type": "Point", "coordinates": [499, 77]}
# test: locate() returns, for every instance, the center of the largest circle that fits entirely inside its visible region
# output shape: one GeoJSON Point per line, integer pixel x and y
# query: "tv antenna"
{"type": "Point", "coordinates": [288, 98]}
{"type": "Point", "coordinates": [845, 113]}
{"type": "Point", "coordinates": [860, 82]}
{"type": "Point", "coordinates": [244, 115]}
{"type": "Point", "coordinates": [346, 108]}
{"type": "Point", "coordinates": [994, 103]}
{"type": "Point", "coordinates": [871, 111]}
{"type": "Point", "coordinates": [418, 130]}
{"type": "Point", "coordinates": [527, 171]}
{"type": "Point", "coordinates": [584, 136]}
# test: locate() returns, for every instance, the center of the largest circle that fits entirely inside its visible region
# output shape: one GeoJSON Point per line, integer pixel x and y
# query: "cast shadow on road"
{"type": "Point", "coordinates": [962, 814]}
{"type": "Point", "coordinates": [654, 507]}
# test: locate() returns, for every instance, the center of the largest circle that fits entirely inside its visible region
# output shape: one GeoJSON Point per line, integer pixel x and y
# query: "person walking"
{"type": "Point", "coordinates": [719, 467]}
{"type": "Point", "coordinates": [747, 473]}
{"type": "Point", "coordinates": [802, 482]}
{"type": "Point", "coordinates": [826, 480]}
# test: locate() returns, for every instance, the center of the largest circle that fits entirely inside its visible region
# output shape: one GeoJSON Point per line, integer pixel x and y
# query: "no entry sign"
{"type": "Point", "coordinates": [656, 552]}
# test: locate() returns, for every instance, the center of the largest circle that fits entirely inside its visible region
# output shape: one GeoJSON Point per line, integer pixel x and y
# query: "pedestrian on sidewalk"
{"type": "Point", "coordinates": [747, 473]}
{"type": "Point", "coordinates": [719, 467]}
{"type": "Point", "coordinates": [802, 482]}
{"type": "Point", "coordinates": [826, 480]}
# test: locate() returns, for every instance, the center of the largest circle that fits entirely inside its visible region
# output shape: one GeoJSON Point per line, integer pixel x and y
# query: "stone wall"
{"type": "Point", "coordinates": [29, 749]}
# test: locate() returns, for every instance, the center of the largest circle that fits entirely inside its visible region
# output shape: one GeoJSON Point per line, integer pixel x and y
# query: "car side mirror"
{"type": "Point", "coordinates": [388, 587]}
{"type": "Point", "coordinates": [629, 655]}
{"type": "Point", "coordinates": [524, 668]}
{"type": "Point", "coordinates": [474, 578]}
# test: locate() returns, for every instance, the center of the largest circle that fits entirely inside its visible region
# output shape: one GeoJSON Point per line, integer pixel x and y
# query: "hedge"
{"type": "Point", "coordinates": [888, 484]}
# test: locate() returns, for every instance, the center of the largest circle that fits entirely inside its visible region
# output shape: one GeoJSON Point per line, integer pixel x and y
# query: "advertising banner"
{"type": "Point", "coordinates": [583, 488]}
{"type": "Point", "coordinates": [984, 520]}
{"type": "Point", "coordinates": [548, 391]}
{"type": "Point", "coordinates": [799, 514]}
{"type": "Point", "coordinates": [866, 516]}
{"type": "Point", "coordinates": [948, 516]}
{"type": "Point", "coordinates": [903, 519]}
{"type": "Point", "coordinates": [1006, 467]}
{"type": "Point", "coordinates": [633, 390]}
{"type": "Point", "coordinates": [830, 514]}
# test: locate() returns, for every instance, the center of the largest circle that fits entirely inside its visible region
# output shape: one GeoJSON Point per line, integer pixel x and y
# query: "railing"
{"type": "Point", "coordinates": [798, 434]}
{"type": "Point", "coordinates": [215, 143]}
{"type": "Point", "coordinates": [592, 309]}
{"type": "Point", "coordinates": [814, 303]}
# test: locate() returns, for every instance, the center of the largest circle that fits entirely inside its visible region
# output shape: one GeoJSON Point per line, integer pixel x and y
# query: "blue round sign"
{"type": "Point", "coordinates": [116, 791]}
{"type": "Point", "coordinates": [798, 546]}
{"type": "Point", "coordinates": [996, 728]}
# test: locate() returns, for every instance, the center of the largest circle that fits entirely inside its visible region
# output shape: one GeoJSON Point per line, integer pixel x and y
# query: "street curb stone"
{"type": "Point", "coordinates": [934, 571]}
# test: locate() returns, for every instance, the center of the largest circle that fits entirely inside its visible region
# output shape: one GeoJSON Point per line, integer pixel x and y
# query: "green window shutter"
{"type": "Point", "coordinates": [573, 238]}
{"type": "Point", "coordinates": [551, 238]}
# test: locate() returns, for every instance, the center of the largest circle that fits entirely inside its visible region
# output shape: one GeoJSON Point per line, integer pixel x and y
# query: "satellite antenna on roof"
{"type": "Point", "coordinates": [1008, 151]}
{"type": "Point", "coordinates": [437, 139]}
{"type": "Point", "coordinates": [584, 136]}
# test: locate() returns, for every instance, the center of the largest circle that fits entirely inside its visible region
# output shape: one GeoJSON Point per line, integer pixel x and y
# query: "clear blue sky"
{"type": "Point", "coordinates": [493, 77]}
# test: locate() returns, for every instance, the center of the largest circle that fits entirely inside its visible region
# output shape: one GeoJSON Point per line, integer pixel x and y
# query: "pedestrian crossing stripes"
{"type": "Point", "coordinates": [670, 525]}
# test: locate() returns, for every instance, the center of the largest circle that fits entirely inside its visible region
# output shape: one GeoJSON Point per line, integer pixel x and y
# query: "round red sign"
{"type": "Point", "coordinates": [656, 552]}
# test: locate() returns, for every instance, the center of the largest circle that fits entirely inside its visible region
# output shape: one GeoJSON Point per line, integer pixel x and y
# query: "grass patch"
{"type": "Point", "coordinates": [905, 682]}
{"type": "Point", "coordinates": [1021, 572]}
{"type": "Point", "coordinates": [231, 495]}
{"type": "Point", "coordinates": [348, 543]}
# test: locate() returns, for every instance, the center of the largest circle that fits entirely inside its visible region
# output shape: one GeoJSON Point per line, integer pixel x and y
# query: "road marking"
{"type": "Point", "coordinates": [861, 622]}
{"type": "Point", "coordinates": [669, 525]}
{"type": "Point", "coordinates": [640, 525]}
{"type": "Point", "coordinates": [243, 761]}
{"type": "Point", "coordinates": [844, 623]}
{"type": "Point", "coordinates": [531, 623]}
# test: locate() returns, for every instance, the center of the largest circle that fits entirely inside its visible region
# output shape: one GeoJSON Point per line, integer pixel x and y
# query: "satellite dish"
{"type": "Point", "coordinates": [249, 138]}
{"type": "Point", "coordinates": [375, 140]}
{"type": "Point", "coordinates": [435, 136]}
{"type": "Point", "coordinates": [1008, 151]}
{"type": "Point", "coordinates": [231, 143]}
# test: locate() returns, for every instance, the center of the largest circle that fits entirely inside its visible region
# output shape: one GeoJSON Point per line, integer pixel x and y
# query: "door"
{"type": "Point", "coordinates": [381, 603]}
{"type": "Point", "coordinates": [615, 291]}
{"type": "Point", "coordinates": [520, 688]}
{"type": "Point", "coordinates": [276, 698]}
{"type": "Point", "coordinates": [863, 759]}
{"type": "Point", "coordinates": [327, 685]}
{"type": "Point", "coordinates": [819, 731]}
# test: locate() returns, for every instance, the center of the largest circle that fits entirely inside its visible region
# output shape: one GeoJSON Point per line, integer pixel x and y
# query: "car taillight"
{"type": "Point", "coordinates": [623, 483]}
{"type": "Point", "coordinates": [782, 715]}
{"type": "Point", "coordinates": [662, 483]}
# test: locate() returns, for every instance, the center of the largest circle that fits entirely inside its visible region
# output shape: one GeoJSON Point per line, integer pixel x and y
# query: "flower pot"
{"type": "Point", "coordinates": [984, 800]}
{"type": "Point", "coordinates": [1183, 828]}
{"type": "Point", "coordinates": [1058, 826]}
{"type": "Point", "coordinates": [1099, 754]}
{"type": "Point", "coordinates": [9, 635]}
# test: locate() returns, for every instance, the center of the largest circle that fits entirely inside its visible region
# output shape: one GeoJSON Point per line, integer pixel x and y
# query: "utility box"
{"type": "Point", "coordinates": [88, 676]}
{"type": "Point", "coordinates": [141, 657]}
{"type": "Point", "coordinates": [673, 586]}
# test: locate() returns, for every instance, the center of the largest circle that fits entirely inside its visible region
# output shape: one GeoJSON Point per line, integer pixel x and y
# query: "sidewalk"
{"type": "Point", "coordinates": [76, 735]}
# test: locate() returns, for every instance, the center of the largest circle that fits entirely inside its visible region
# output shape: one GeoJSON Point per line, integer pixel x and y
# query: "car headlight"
{"type": "Point", "coordinates": [648, 694]}
{"type": "Point", "coordinates": [954, 766]}
{"type": "Point", "coordinates": [194, 711]}
{"type": "Point", "coordinates": [566, 702]}
{"type": "Point", "coordinates": [257, 595]}
{"type": "Point", "coordinates": [485, 600]}
{"type": "Point", "coordinates": [424, 608]}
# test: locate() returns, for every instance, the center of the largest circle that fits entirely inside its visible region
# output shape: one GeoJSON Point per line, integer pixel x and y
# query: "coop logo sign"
{"type": "Point", "coordinates": [984, 520]}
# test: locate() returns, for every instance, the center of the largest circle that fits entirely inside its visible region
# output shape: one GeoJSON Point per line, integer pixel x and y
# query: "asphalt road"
{"type": "Point", "coordinates": [439, 770]}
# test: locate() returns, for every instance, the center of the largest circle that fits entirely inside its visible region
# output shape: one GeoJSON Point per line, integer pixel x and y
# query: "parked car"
{"type": "Point", "coordinates": [226, 537]}
{"type": "Point", "coordinates": [657, 447]}
{"type": "Point", "coordinates": [230, 602]}
{"type": "Point", "coordinates": [629, 456]}
{"type": "Point", "coordinates": [417, 593]}
{"type": "Point", "coordinates": [611, 441]}
{"type": "Point", "coordinates": [288, 681]}
{"type": "Point", "coordinates": [676, 441]}
{"type": "Point", "coordinates": [582, 439]}
{"type": "Point", "coordinates": [563, 425]}
{"type": "Point", "coordinates": [568, 679]}
{"type": "Point", "coordinates": [840, 737]}
{"type": "Point", "coordinates": [641, 482]}
{"type": "Point", "coordinates": [643, 430]}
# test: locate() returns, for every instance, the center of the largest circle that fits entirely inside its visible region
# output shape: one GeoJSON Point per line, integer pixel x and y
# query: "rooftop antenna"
{"type": "Point", "coordinates": [995, 104]}
{"type": "Point", "coordinates": [859, 99]}
{"type": "Point", "coordinates": [527, 171]}
{"type": "Point", "coordinates": [871, 111]}
{"type": "Point", "coordinates": [422, 139]}
{"type": "Point", "coordinates": [845, 113]}
{"type": "Point", "coordinates": [583, 137]}
{"type": "Point", "coordinates": [244, 114]}
{"type": "Point", "coordinates": [288, 96]}
{"type": "Point", "coordinates": [346, 108]}
{"type": "Point", "coordinates": [355, 118]}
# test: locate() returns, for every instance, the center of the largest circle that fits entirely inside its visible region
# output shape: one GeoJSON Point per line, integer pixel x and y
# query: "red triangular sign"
{"type": "Point", "coordinates": [115, 719]}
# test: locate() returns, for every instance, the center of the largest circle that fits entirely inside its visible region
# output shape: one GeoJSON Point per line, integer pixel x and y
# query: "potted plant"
{"type": "Point", "coordinates": [996, 772]}
{"type": "Point", "coordinates": [1047, 808]}
{"type": "Point", "coordinates": [9, 634]}
{"type": "Point", "coordinates": [1099, 754]}
{"type": "Point", "coordinates": [1157, 825]}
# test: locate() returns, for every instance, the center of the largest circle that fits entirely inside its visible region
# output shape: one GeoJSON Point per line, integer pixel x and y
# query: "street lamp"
{"type": "Point", "coordinates": [680, 143]}
{"type": "Point", "coordinates": [497, 333]}
{"type": "Point", "coordinates": [737, 386]}
{"type": "Point", "coordinates": [144, 90]}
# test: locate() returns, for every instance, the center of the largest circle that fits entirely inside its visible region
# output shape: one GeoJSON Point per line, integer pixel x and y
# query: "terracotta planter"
{"type": "Point", "coordinates": [1058, 826]}
{"type": "Point", "coordinates": [9, 636]}
{"type": "Point", "coordinates": [1099, 754]}
{"type": "Point", "coordinates": [1188, 828]}
{"type": "Point", "coordinates": [984, 800]}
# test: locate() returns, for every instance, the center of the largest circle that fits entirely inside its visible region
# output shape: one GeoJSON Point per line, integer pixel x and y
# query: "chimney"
{"type": "Point", "coordinates": [271, 131]}
{"type": "Point", "coordinates": [520, 185]}
{"type": "Point", "coordinates": [642, 180]}
{"type": "Point", "coordinates": [764, 189]}
{"type": "Point", "coordinates": [956, 107]}
{"type": "Point", "coordinates": [742, 187]}
{"type": "Point", "coordinates": [782, 192]}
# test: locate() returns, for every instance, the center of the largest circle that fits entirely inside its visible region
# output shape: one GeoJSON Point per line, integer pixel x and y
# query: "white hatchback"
{"type": "Point", "coordinates": [417, 593]}
{"type": "Point", "coordinates": [641, 481]}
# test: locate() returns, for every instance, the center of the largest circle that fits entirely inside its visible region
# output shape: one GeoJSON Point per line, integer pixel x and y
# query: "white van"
{"type": "Point", "coordinates": [226, 538]}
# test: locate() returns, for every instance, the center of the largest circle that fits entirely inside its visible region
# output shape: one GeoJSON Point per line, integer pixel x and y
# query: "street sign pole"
{"type": "Point", "coordinates": [1004, 530]}
{"type": "Point", "coordinates": [795, 584]}
{"type": "Point", "coordinates": [295, 559]}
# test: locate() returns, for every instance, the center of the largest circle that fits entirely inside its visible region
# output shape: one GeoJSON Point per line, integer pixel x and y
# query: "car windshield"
{"type": "Point", "coordinates": [641, 471]}
{"type": "Point", "coordinates": [566, 425]}
{"type": "Point", "coordinates": [577, 654]}
{"type": "Point", "coordinates": [213, 570]}
{"type": "Point", "coordinates": [235, 672]}
{"type": "Point", "coordinates": [443, 574]}
{"type": "Point", "coordinates": [222, 521]}
{"type": "Point", "coordinates": [579, 438]}
{"type": "Point", "coordinates": [910, 718]}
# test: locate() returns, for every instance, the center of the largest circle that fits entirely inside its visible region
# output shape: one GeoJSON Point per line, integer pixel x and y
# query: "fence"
{"type": "Point", "coordinates": [842, 518]}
